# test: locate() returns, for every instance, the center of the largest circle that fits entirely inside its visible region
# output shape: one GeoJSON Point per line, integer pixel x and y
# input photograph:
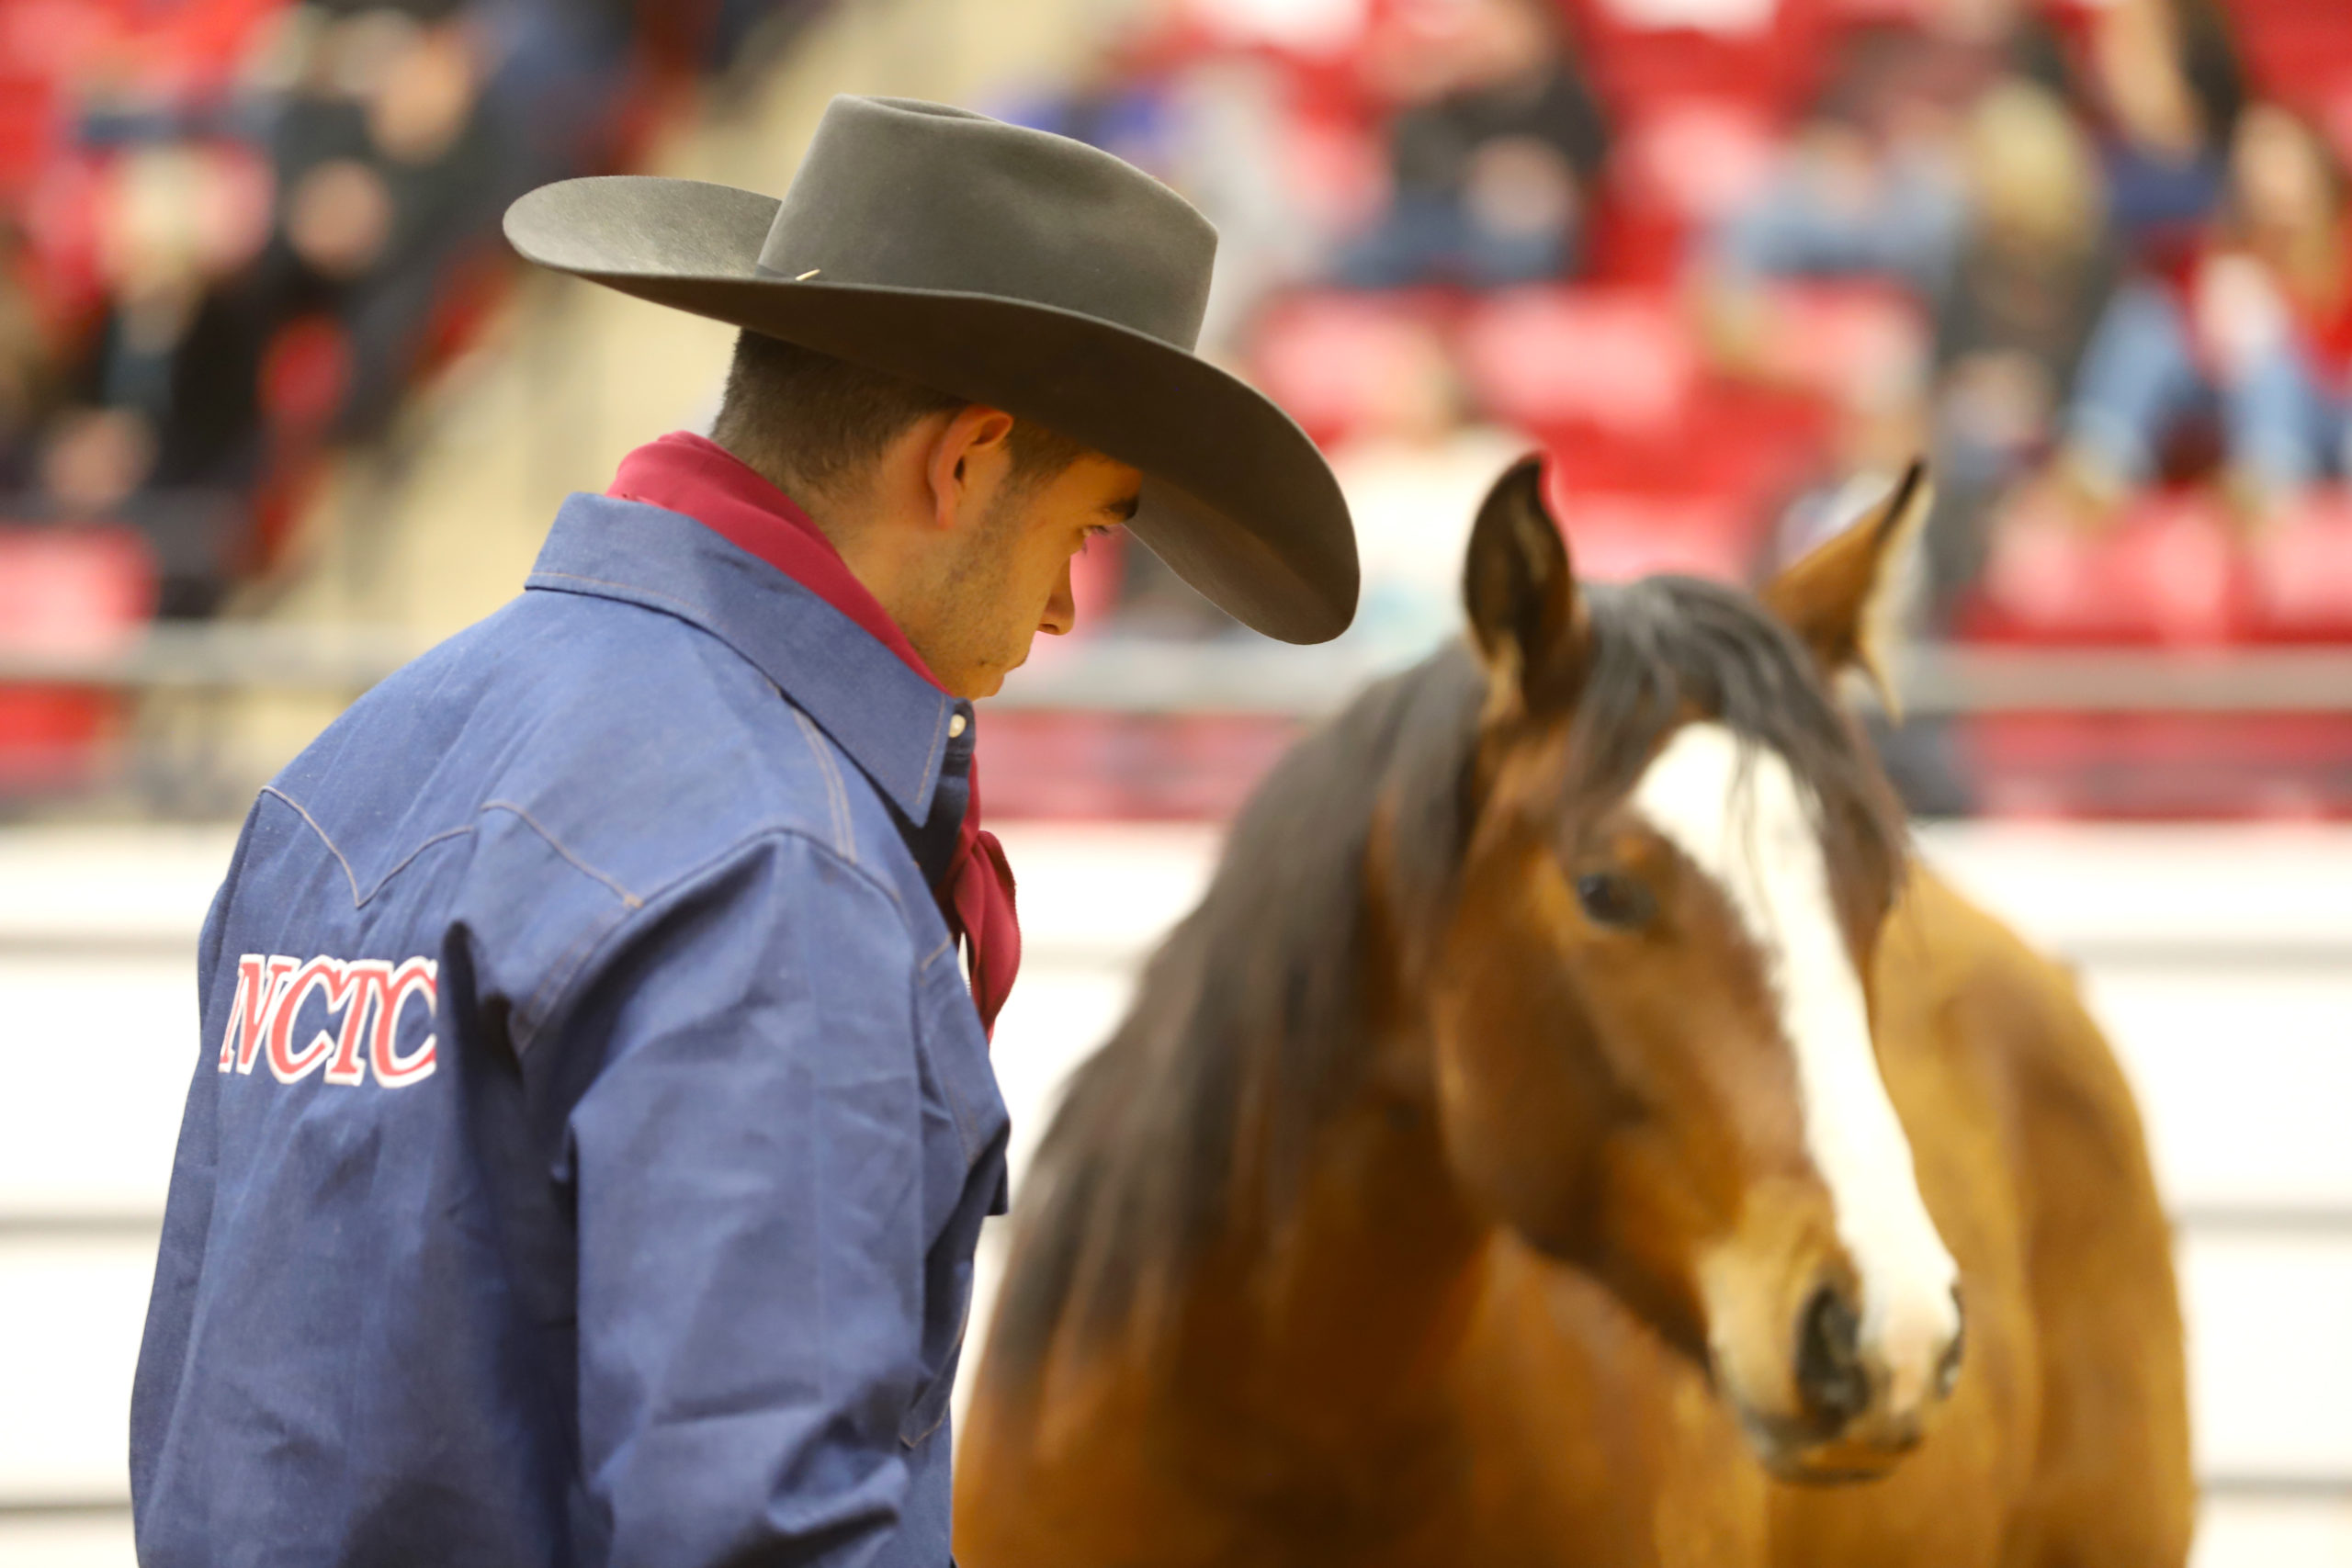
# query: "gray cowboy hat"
{"type": "Point", "coordinates": [1014, 268]}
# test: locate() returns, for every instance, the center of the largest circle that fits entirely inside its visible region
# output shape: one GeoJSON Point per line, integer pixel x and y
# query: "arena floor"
{"type": "Point", "coordinates": [2221, 960]}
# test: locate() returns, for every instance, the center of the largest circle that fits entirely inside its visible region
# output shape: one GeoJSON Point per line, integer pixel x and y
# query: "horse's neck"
{"type": "Point", "coordinates": [1356, 1301]}
{"type": "Point", "coordinates": [1313, 1375]}
{"type": "Point", "coordinates": [1346, 1314]}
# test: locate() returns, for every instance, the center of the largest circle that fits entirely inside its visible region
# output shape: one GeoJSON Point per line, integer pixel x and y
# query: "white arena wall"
{"type": "Point", "coordinates": [2221, 960]}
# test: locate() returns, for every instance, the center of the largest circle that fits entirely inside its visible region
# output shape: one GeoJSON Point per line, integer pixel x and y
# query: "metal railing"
{"type": "Point", "coordinates": [1115, 674]}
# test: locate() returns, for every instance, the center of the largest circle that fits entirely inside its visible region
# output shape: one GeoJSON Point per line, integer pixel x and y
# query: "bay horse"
{"type": "Point", "coordinates": [1572, 1130]}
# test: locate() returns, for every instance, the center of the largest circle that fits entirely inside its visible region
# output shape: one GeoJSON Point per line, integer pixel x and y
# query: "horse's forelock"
{"type": "Point", "coordinates": [1668, 648]}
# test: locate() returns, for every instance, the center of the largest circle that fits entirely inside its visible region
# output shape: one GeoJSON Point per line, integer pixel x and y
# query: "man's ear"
{"type": "Point", "coordinates": [972, 435]}
{"type": "Point", "coordinates": [1526, 615]}
{"type": "Point", "coordinates": [1839, 597]}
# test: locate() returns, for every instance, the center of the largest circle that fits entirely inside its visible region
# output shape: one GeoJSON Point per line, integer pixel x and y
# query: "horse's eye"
{"type": "Point", "coordinates": [1611, 899]}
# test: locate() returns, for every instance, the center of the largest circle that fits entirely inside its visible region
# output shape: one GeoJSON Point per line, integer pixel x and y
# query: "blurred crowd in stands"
{"type": "Point", "coordinates": [1731, 263]}
{"type": "Point", "coordinates": [234, 233]}
{"type": "Point", "coordinates": [1734, 261]}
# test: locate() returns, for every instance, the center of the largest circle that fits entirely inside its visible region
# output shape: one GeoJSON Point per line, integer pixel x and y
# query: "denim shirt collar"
{"type": "Point", "coordinates": [893, 724]}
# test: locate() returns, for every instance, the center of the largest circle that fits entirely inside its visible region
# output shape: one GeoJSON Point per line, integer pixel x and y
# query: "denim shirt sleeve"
{"type": "Point", "coordinates": [748, 1171]}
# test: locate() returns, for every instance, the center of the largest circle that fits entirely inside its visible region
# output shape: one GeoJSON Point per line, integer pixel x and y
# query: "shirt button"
{"type": "Point", "coordinates": [956, 726]}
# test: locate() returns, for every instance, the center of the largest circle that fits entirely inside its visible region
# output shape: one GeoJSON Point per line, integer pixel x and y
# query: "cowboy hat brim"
{"type": "Point", "coordinates": [1236, 498]}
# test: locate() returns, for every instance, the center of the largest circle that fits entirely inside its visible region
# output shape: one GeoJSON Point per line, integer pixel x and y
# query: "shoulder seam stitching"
{"type": "Point", "coordinates": [836, 792]}
{"type": "Point", "coordinates": [333, 848]}
{"type": "Point", "coordinates": [386, 880]}
{"type": "Point", "coordinates": [697, 617]}
{"type": "Point", "coordinates": [530, 1025]}
{"type": "Point", "coordinates": [581, 866]}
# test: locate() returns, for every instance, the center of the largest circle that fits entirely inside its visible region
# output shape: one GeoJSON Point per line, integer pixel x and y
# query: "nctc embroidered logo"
{"type": "Point", "coordinates": [370, 993]}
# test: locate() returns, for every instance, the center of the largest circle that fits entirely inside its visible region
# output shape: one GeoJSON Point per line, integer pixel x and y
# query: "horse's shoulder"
{"type": "Point", "coordinates": [1944, 955]}
{"type": "Point", "coordinates": [2014, 1010]}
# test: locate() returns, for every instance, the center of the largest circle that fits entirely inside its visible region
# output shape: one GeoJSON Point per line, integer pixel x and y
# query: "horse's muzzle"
{"type": "Point", "coordinates": [1858, 1415]}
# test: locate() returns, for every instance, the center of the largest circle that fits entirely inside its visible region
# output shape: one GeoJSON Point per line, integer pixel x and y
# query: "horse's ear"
{"type": "Point", "coordinates": [1525, 614]}
{"type": "Point", "coordinates": [1839, 597]}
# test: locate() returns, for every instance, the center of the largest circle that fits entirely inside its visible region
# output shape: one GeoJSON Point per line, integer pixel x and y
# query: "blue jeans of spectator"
{"type": "Point", "coordinates": [2141, 380]}
{"type": "Point", "coordinates": [2138, 382]}
{"type": "Point", "coordinates": [2288, 429]}
{"type": "Point", "coordinates": [1430, 237]}
{"type": "Point", "coordinates": [1798, 228]}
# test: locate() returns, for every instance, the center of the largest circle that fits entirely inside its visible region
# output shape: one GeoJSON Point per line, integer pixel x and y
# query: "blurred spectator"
{"type": "Point", "coordinates": [95, 460]}
{"type": "Point", "coordinates": [1876, 183]}
{"type": "Point", "coordinates": [2252, 336]}
{"type": "Point", "coordinates": [2163, 84]}
{"type": "Point", "coordinates": [249, 227]}
{"type": "Point", "coordinates": [2033, 274]}
{"type": "Point", "coordinates": [392, 167]}
{"type": "Point", "coordinates": [1493, 151]}
{"type": "Point", "coordinates": [2285, 348]}
{"type": "Point", "coordinates": [177, 219]}
{"type": "Point", "coordinates": [24, 369]}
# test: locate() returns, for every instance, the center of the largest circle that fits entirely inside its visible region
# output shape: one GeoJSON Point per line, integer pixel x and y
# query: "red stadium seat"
{"type": "Point", "coordinates": [27, 131]}
{"type": "Point", "coordinates": [2300, 53]}
{"type": "Point", "coordinates": [1334, 168]}
{"type": "Point", "coordinates": [1616, 537]}
{"type": "Point", "coordinates": [1328, 359]}
{"type": "Point", "coordinates": [1678, 164]}
{"type": "Point", "coordinates": [1842, 340]}
{"type": "Point", "coordinates": [1611, 379]}
{"type": "Point", "coordinates": [1618, 360]}
{"type": "Point", "coordinates": [2302, 573]}
{"type": "Point", "coordinates": [1642, 54]}
{"type": "Point", "coordinates": [1695, 158]}
{"type": "Point", "coordinates": [1319, 44]}
{"type": "Point", "coordinates": [65, 594]}
{"type": "Point", "coordinates": [2169, 572]}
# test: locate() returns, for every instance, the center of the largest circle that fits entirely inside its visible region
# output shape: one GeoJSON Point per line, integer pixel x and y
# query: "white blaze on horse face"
{"type": "Point", "coordinates": [1738, 813]}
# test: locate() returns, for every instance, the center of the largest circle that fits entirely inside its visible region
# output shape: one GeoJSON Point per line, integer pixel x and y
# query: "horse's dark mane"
{"type": "Point", "coordinates": [1250, 1009]}
{"type": "Point", "coordinates": [1246, 1028]}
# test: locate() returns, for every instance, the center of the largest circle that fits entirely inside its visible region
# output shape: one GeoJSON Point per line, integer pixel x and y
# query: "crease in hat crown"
{"type": "Point", "coordinates": [897, 194]}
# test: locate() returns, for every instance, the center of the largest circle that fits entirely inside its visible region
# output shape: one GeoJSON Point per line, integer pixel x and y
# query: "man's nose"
{"type": "Point", "coordinates": [1061, 608]}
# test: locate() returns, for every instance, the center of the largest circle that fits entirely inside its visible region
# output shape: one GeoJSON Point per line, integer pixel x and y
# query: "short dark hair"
{"type": "Point", "coordinates": [812, 422]}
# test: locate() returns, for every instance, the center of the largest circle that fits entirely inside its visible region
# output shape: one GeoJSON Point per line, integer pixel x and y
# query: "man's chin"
{"type": "Point", "coordinates": [983, 678]}
{"type": "Point", "coordinates": [974, 685]}
{"type": "Point", "coordinates": [989, 682]}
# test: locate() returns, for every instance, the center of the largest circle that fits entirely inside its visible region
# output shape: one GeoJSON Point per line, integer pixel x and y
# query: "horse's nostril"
{"type": "Point", "coordinates": [1948, 1369]}
{"type": "Point", "coordinates": [1830, 1376]}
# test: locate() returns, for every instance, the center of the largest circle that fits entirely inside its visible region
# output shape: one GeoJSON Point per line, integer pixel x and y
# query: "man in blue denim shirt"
{"type": "Point", "coordinates": [592, 1121]}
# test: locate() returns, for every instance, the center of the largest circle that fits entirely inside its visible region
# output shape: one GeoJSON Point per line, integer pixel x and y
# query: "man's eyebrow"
{"type": "Point", "coordinates": [1125, 510]}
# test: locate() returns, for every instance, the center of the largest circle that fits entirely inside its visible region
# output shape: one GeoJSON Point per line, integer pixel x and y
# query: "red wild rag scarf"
{"type": "Point", "coordinates": [689, 474]}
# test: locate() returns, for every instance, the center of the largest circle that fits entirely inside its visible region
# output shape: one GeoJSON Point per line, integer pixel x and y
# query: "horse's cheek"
{"type": "Point", "coordinates": [1517, 1119]}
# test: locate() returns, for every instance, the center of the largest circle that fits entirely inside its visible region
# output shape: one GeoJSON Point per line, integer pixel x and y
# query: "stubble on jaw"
{"type": "Point", "coordinates": [976, 633]}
